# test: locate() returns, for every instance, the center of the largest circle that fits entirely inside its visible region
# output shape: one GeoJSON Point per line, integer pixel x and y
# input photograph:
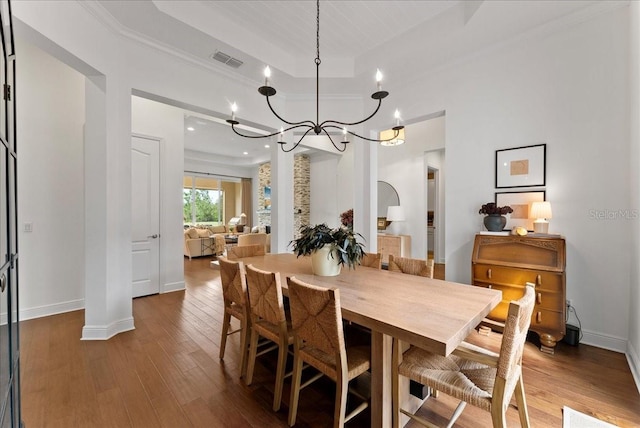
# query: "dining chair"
{"type": "Point", "coordinates": [372, 260]}
{"type": "Point", "coordinates": [268, 320]}
{"type": "Point", "coordinates": [253, 239]}
{"type": "Point", "coordinates": [417, 267]}
{"type": "Point", "coordinates": [234, 294]}
{"type": "Point", "coordinates": [316, 319]}
{"type": "Point", "coordinates": [238, 252]}
{"type": "Point", "coordinates": [471, 373]}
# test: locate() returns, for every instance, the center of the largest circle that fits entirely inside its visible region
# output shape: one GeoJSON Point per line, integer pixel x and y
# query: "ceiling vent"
{"type": "Point", "coordinates": [226, 59]}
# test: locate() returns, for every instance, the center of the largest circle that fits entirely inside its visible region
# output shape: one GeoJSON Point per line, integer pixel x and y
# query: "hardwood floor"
{"type": "Point", "coordinates": [166, 373]}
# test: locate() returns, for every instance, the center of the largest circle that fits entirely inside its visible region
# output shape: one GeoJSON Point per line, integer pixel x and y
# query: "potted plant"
{"type": "Point", "coordinates": [495, 219]}
{"type": "Point", "coordinates": [329, 248]}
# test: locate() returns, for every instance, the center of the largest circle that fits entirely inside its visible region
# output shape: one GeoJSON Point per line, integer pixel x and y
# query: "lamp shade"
{"type": "Point", "coordinates": [395, 213]}
{"type": "Point", "coordinates": [541, 210]}
{"type": "Point", "coordinates": [243, 219]}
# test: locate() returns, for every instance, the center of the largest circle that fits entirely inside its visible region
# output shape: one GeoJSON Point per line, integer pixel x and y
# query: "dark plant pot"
{"type": "Point", "coordinates": [495, 222]}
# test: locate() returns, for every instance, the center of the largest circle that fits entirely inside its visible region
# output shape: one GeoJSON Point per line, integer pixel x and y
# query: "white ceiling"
{"type": "Point", "coordinates": [356, 37]}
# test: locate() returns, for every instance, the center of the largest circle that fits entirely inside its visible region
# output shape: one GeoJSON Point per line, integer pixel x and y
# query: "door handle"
{"type": "Point", "coordinates": [154, 236]}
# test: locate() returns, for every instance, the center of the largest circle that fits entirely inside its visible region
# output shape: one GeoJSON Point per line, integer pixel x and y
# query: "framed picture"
{"type": "Point", "coordinates": [520, 202]}
{"type": "Point", "coordinates": [521, 166]}
{"type": "Point", "coordinates": [382, 223]}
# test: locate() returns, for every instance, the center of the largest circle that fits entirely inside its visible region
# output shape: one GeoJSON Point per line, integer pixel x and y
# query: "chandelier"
{"type": "Point", "coordinates": [318, 127]}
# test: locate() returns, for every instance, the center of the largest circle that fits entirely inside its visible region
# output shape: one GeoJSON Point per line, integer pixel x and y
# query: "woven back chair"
{"type": "Point", "coordinates": [239, 252]}
{"type": "Point", "coordinates": [316, 320]}
{"type": "Point", "coordinates": [417, 267]}
{"type": "Point", "coordinates": [372, 260]}
{"type": "Point", "coordinates": [472, 374]}
{"type": "Point", "coordinates": [252, 239]}
{"type": "Point", "coordinates": [269, 321]}
{"type": "Point", "coordinates": [234, 294]}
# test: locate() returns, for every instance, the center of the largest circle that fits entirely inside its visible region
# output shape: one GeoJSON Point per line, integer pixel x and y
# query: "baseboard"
{"type": "Point", "coordinates": [172, 286]}
{"type": "Point", "coordinates": [634, 364]}
{"type": "Point", "coordinates": [46, 310]}
{"type": "Point", "coordinates": [102, 332]}
{"type": "Point", "coordinates": [604, 341]}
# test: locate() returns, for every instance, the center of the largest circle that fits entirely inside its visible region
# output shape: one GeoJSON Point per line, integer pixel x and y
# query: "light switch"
{"type": "Point", "coordinates": [28, 227]}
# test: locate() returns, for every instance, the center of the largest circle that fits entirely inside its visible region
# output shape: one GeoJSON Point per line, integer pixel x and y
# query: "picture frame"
{"type": "Point", "coordinates": [521, 166]}
{"type": "Point", "coordinates": [520, 202]}
{"type": "Point", "coordinates": [382, 223]}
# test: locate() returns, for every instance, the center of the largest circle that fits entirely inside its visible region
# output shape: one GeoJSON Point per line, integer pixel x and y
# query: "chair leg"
{"type": "Point", "coordinates": [498, 415]}
{"type": "Point", "coordinates": [282, 362]}
{"type": "Point", "coordinates": [522, 404]}
{"type": "Point", "coordinates": [253, 348]}
{"type": "Point", "coordinates": [456, 413]}
{"type": "Point", "coordinates": [244, 347]}
{"type": "Point", "coordinates": [225, 329]}
{"type": "Point", "coordinates": [295, 386]}
{"type": "Point", "coordinates": [342, 388]}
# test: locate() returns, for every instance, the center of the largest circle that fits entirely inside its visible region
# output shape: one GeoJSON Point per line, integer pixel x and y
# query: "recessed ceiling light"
{"type": "Point", "coordinates": [266, 146]}
{"type": "Point", "coordinates": [191, 128]}
{"type": "Point", "coordinates": [245, 153]}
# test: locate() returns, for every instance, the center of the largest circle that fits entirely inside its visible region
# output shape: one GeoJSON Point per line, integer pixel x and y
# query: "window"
{"type": "Point", "coordinates": [203, 201]}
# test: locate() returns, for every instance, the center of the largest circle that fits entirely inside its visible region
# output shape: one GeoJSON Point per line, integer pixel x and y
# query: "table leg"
{"type": "Point", "coordinates": [380, 380]}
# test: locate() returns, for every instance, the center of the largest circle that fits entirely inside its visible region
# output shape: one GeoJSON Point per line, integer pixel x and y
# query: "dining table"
{"type": "Point", "coordinates": [429, 313]}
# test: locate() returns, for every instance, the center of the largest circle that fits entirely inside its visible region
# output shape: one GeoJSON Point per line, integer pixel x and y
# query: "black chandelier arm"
{"type": "Point", "coordinates": [282, 143]}
{"type": "Point", "coordinates": [269, 135]}
{"type": "Point", "coordinates": [308, 122]}
{"type": "Point", "coordinates": [375, 140]}
{"type": "Point", "coordinates": [326, 122]}
{"type": "Point", "coordinates": [344, 143]}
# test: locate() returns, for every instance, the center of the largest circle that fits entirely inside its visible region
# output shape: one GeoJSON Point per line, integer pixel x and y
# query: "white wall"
{"type": "Point", "coordinates": [633, 349]}
{"type": "Point", "coordinates": [567, 89]}
{"type": "Point", "coordinates": [50, 184]}
{"type": "Point", "coordinates": [166, 123]}
{"type": "Point", "coordinates": [324, 182]}
{"type": "Point", "coordinates": [404, 168]}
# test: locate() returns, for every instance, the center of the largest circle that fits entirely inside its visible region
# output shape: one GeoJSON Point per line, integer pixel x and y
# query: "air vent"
{"type": "Point", "coordinates": [226, 59]}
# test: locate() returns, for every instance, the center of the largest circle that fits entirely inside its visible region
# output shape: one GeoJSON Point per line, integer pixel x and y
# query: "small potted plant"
{"type": "Point", "coordinates": [495, 219]}
{"type": "Point", "coordinates": [329, 248]}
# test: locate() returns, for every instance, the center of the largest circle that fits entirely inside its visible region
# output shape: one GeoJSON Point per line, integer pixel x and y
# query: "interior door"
{"type": "Point", "coordinates": [145, 219]}
{"type": "Point", "coordinates": [10, 415]}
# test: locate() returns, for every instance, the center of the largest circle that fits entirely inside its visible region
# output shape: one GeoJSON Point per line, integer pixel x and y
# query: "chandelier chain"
{"type": "Point", "coordinates": [318, 33]}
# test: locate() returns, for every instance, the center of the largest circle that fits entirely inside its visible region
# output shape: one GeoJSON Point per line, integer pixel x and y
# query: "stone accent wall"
{"type": "Point", "coordinates": [301, 192]}
{"type": "Point", "coordinates": [264, 180]}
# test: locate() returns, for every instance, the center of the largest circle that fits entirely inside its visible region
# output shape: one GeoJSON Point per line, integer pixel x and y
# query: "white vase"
{"type": "Point", "coordinates": [323, 264]}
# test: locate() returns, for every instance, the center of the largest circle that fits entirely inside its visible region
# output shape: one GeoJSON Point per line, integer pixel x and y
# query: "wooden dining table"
{"type": "Point", "coordinates": [433, 314]}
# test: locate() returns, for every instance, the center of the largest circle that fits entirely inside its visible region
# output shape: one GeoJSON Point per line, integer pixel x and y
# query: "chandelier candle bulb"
{"type": "Point", "coordinates": [344, 134]}
{"type": "Point", "coordinates": [397, 116]}
{"type": "Point", "coordinates": [234, 109]}
{"type": "Point", "coordinates": [281, 135]}
{"type": "Point", "coordinates": [379, 79]}
{"type": "Point", "coordinates": [267, 75]}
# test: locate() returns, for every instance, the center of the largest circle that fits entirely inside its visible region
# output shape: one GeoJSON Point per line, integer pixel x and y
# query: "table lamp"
{"type": "Point", "coordinates": [395, 213]}
{"type": "Point", "coordinates": [541, 211]}
{"type": "Point", "coordinates": [242, 222]}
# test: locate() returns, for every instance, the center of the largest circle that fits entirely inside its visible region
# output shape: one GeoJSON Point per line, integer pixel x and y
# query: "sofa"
{"type": "Point", "coordinates": [204, 241]}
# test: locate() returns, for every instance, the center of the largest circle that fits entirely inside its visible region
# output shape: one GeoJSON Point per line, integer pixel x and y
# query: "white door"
{"type": "Point", "coordinates": [145, 219]}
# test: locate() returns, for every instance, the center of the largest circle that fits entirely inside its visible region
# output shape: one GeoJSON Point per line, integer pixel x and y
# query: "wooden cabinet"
{"type": "Point", "coordinates": [507, 263]}
{"type": "Point", "coordinates": [398, 245]}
